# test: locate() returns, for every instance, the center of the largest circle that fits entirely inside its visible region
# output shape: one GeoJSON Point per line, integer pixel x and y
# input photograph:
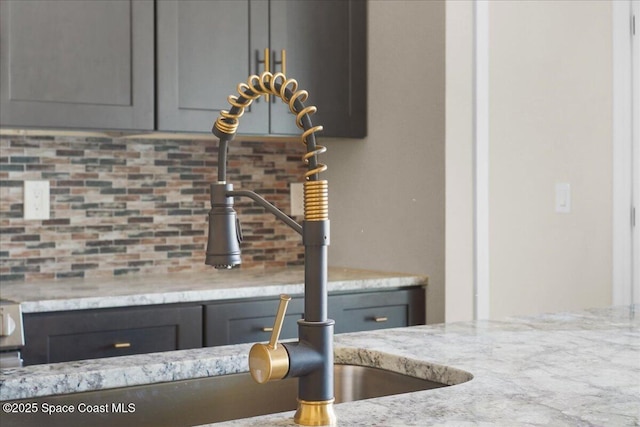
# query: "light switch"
{"type": "Point", "coordinates": [563, 197]}
{"type": "Point", "coordinates": [36, 200]}
{"type": "Point", "coordinates": [297, 198]}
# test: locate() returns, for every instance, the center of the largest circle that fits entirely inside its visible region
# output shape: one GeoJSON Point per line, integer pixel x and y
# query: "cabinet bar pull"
{"type": "Point", "coordinates": [380, 319]}
{"type": "Point", "coordinates": [122, 345]}
{"type": "Point", "coordinates": [267, 66]}
{"type": "Point", "coordinates": [282, 63]}
{"type": "Point", "coordinates": [267, 329]}
{"type": "Point", "coordinates": [283, 55]}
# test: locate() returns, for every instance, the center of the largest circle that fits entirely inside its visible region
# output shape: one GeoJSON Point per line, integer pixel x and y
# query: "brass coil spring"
{"type": "Point", "coordinates": [316, 200]}
{"type": "Point", "coordinates": [257, 86]}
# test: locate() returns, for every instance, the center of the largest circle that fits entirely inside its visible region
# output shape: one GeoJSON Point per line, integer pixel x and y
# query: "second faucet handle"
{"type": "Point", "coordinates": [277, 325]}
{"type": "Point", "coordinates": [271, 361]}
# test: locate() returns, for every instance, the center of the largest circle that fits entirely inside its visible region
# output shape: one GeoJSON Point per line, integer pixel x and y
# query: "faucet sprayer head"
{"type": "Point", "coordinates": [225, 234]}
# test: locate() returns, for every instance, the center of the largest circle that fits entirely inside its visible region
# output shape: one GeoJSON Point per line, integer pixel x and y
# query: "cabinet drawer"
{"type": "Point", "coordinates": [93, 345]}
{"type": "Point", "coordinates": [245, 321]}
{"type": "Point", "coordinates": [377, 310]}
{"type": "Point", "coordinates": [89, 334]}
{"type": "Point", "coordinates": [368, 318]}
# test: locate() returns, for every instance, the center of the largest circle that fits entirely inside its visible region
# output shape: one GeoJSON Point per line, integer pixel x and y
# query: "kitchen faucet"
{"type": "Point", "coordinates": [310, 359]}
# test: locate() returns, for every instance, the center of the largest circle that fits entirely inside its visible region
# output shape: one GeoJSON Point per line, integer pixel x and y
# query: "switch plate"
{"type": "Point", "coordinates": [36, 200]}
{"type": "Point", "coordinates": [297, 198]}
{"type": "Point", "coordinates": [563, 197]}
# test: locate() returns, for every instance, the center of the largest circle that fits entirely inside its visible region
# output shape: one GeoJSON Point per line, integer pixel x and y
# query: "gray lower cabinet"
{"type": "Point", "coordinates": [249, 320]}
{"type": "Point", "coordinates": [90, 334]}
{"type": "Point", "coordinates": [71, 64]}
{"type": "Point", "coordinates": [205, 49]}
{"type": "Point", "coordinates": [367, 311]}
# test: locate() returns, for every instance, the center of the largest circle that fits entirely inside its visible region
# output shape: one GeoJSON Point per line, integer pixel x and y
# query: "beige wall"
{"type": "Point", "coordinates": [550, 99]}
{"type": "Point", "coordinates": [387, 190]}
{"type": "Point", "coordinates": [550, 121]}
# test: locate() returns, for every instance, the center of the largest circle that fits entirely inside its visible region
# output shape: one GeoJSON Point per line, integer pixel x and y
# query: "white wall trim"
{"type": "Point", "coordinates": [481, 160]}
{"type": "Point", "coordinates": [622, 288]}
{"type": "Point", "coordinates": [635, 136]}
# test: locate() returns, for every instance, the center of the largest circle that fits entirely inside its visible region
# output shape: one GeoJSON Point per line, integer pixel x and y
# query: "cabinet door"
{"type": "Point", "coordinates": [90, 334]}
{"type": "Point", "coordinates": [205, 49]}
{"type": "Point", "coordinates": [249, 321]}
{"type": "Point", "coordinates": [77, 64]}
{"type": "Point", "coordinates": [326, 51]}
{"type": "Point", "coordinates": [367, 311]}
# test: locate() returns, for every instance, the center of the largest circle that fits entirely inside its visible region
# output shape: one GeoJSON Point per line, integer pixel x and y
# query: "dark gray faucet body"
{"type": "Point", "coordinates": [311, 358]}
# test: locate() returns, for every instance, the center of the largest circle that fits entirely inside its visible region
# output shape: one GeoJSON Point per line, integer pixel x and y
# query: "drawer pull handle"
{"type": "Point", "coordinates": [267, 329]}
{"type": "Point", "coordinates": [380, 319]}
{"type": "Point", "coordinates": [122, 345]}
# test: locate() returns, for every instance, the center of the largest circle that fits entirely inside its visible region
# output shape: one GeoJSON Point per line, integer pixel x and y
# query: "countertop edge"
{"type": "Point", "coordinates": [36, 301]}
{"type": "Point", "coordinates": [570, 368]}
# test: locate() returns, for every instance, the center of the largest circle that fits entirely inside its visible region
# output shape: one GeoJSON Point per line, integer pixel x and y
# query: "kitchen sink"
{"type": "Point", "coordinates": [204, 400]}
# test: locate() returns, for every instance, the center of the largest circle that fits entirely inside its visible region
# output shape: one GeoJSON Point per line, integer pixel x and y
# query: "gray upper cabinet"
{"type": "Point", "coordinates": [325, 47]}
{"type": "Point", "coordinates": [77, 64]}
{"type": "Point", "coordinates": [206, 48]}
{"type": "Point", "coordinates": [170, 65]}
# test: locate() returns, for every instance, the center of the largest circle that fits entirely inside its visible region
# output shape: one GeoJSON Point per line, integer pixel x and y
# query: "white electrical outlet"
{"type": "Point", "coordinates": [36, 200]}
{"type": "Point", "coordinates": [297, 198]}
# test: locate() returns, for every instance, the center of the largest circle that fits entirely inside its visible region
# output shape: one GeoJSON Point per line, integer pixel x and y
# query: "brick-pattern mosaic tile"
{"type": "Point", "coordinates": [122, 206]}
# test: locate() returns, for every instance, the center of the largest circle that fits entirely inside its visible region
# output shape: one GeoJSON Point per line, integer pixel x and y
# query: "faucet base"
{"type": "Point", "coordinates": [315, 413]}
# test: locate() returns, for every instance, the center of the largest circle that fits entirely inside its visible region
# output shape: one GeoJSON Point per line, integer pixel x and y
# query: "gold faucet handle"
{"type": "Point", "coordinates": [271, 361]}
{"type": "Point", "coordinates": [277, 325]}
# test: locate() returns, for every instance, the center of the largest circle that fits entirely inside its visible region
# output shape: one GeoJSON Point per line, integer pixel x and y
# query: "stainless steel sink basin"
{"type": "Point", "coordinates": [206, 400]}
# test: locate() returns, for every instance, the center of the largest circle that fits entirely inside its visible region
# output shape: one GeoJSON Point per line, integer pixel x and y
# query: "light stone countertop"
{"type": "Point", "coordinates": [136, 290]}
{"type": "Point", "coordinates": [565, 369]}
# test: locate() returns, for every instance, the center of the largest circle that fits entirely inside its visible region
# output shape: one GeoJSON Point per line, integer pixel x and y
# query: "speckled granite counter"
{"type": "Point", "coordinates": [569, 369]}
{"type": "Point", "coordinates": [79, 294]}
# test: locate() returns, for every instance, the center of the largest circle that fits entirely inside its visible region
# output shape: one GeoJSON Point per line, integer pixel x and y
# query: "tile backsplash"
{"type": "Point", "coordinates": [123, 205]}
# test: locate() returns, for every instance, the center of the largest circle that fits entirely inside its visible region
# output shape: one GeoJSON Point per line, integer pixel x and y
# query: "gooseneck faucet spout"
{"type": "Point", "coordinates": [310, 359]}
